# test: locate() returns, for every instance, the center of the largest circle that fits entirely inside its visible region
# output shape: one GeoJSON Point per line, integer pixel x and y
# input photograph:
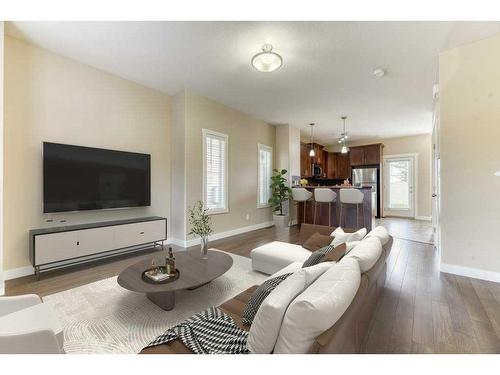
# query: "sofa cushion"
{"type": "Point", "coordinates": [318, 307]}
{"type": "Point", "coordinates": [316, 242]}
{"type": "Point", "coordinates": [366, 253]}
{"type": "Point", "coordinates": [328, 254]}
{"type": "Point", "coordinates": [351, 245]}
{"type": "Point", "coordinates": [342, 237]}
{"type": "Point", "coordinates": [273, 256]}
{"type": "Point", "coordinates": [291, 268]}
{"type": "Point", "coordinates": [267, 322]}
{"type": "Point", "coordinates": [259, 295]}
{"type": "Point", "coordinates": [381, 233]}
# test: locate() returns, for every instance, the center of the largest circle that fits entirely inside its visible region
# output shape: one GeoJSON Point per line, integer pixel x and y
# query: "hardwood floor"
{"type": "Point", "coordinates": [420, 311]}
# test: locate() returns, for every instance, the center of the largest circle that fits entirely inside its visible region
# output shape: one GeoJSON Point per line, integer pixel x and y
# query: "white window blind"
{"type": "Point", "coordinates": [265, 155]}
{"type": "Point", "coordinates": [215, 171]}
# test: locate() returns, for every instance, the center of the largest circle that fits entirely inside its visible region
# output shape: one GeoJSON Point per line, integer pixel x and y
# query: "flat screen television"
{"type": "Point", "coordinates": [77, 178]}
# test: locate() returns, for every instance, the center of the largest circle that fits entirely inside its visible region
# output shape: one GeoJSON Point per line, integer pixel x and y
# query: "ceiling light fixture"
{"type": "Point", "coordinates": [311, 151]}
{"type": "Point", "coordinates": [379, 72]}
{"type": "Point", "coordinates": [343, 138]}
{"type": "Point", "coordinates": [267, 61]}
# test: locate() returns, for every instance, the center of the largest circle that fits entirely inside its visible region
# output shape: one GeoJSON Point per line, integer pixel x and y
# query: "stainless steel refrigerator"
{"type": "Point", "coordinates": [369, 177]}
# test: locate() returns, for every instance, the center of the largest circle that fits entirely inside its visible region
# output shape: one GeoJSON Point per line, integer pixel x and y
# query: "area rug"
{"type": "Point", "coordinates": [102, 317]}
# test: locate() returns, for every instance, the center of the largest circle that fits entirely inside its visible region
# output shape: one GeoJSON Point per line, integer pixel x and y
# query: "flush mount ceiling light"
{"type": "Point", "coordinates": [267, 61]}
{"type": "Point", "coordinates": [379, 72]}
{"type": "Point", "coordinates": [311, 151]}
{"type": "Point", "coordinates": [343, 138]}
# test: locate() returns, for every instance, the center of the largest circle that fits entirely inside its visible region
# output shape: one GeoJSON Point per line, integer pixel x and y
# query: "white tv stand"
{"type": "Point", "coordinates": [68, 245]}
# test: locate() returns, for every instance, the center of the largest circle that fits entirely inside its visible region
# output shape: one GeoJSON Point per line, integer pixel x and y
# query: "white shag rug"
{"type": "Point", "coordinates": [103, 317]}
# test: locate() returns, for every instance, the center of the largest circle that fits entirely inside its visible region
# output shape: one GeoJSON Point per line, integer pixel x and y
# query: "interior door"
{"type": "Point", "coordinates": [399, 186]}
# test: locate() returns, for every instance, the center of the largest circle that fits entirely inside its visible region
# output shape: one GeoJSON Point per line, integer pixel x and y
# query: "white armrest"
{"type": "Point", "coordinates": [36, 342]}
{"type": "Point", "coordinates": [15, 303]}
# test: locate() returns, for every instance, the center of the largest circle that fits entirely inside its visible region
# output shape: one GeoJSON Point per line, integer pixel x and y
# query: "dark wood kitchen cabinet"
{"type": "Point", "coordinates": [373, 154]}
{"type": "Point", "coordinates": [338, 166]}
{"type": "Point", "coordinates": [331, 165]}
{"type": "Point", "coordinates": [357, 156]}
{"type": "Point", "coordinates": [343, 166]}
{"type": "Point", "coordinates": [366, 155]}
{"type": "Point", "coordinates": [305, 161]}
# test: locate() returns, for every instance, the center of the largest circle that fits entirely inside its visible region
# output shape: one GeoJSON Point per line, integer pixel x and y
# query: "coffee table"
{"type": "Point", "coordinates": [194, 272]}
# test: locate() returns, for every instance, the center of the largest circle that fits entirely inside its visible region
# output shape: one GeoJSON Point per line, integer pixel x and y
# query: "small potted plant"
{"type": "Point", "coordinates": [201, 225]}
{"type": "Point", "coordinates": [280, 193]}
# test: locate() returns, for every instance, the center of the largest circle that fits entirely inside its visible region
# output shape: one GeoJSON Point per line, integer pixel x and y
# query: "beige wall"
{"type": "Point", "coordinates": [50, 98]}
{"type": "Point", "coordinates": [288, 157]}
{"type": "Point", "coordinates": [420, 145]}
{"type": "Point", "coordinates": [469, 91]}
{"type": "Point", "coordinates": [178, 171]}
{"type": "Point", "coordinates": [244, 134]}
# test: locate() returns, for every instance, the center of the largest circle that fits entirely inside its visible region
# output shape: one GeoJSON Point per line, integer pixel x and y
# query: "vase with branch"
{"type": "Point", "coordinates": [201, 225]}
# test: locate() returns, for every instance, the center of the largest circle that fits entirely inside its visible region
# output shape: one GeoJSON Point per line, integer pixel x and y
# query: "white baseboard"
{"type": "Point", "coordinates": [426, 218]}
{"type": "Point", "coordinates": [218, 236]}
{"type": "Point", "coordinates": [14, 273]}
{"type": "Point", "coordinates": [475, 273]}
{"type": "Point", "coordinates": [293, 222]}
{"type": "Point", "coordinates": [28, 270]}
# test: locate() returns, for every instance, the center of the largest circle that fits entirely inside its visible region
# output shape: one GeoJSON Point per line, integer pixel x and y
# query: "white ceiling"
{"type": "Point", "coordinates": [327, 69]}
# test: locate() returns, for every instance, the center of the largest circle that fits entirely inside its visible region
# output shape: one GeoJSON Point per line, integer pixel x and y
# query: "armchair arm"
{"type": "Point", "coordinates": [15, 303]}
{"type": "Point", "coordinates": [35, 342]}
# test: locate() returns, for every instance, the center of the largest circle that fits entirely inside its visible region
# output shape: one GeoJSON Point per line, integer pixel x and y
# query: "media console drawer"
{"type": "Point", "coordinates": [137, 233]}
{"type": "Point", "coordinates": [67, 244]}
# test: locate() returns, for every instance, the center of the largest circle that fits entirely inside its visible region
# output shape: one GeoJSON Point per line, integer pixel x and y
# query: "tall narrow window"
{"type": "Point", "coordinates": [265, 158]}
{"type": "Point", "coordinates": [215, 171]}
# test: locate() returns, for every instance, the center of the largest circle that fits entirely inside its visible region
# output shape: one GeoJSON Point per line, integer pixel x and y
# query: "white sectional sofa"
{"type": "Point", "coordinates": [329, 313]}
{"type": "Point", "coordinates": [272, 257]}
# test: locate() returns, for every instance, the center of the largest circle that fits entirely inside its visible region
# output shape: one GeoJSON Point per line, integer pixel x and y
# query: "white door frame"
{"type": "Point", "coordinates": [436, 178]}
{"type": "Point", "coordinates": [2, 283]}
{"type": "Point", "coordinates": [414, 156]}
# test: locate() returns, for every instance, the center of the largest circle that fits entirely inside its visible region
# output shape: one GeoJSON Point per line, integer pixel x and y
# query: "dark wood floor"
{"type": "Point", "coordinates": [421, 309]}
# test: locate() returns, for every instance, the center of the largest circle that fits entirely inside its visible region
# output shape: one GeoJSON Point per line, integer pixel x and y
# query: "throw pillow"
{"type": "Point", "coordinates": [367, 253]}
{"type": "Point", "coordinates": [335, 254]}
{"type": "Point", "coordinates": [381, 233]}
{"type": "Point", "coordinates": [341, 237]}
{"type": "Point", "coordinates": [267, 322]}
{"type": "Point", "coordinates": [316, 242]}
{"type": "Point", "coordinates": [327, 253]}
{"type": "Point", "coordinates": [259, 295]}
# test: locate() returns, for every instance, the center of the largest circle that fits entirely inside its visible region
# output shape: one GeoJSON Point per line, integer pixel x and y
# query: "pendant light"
{"type": "Point", "coordinates": [311, 151]}
{"type": "Point", "coordinates": [343, 138]}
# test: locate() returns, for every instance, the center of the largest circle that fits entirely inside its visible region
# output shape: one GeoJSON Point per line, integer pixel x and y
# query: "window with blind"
{"type": "Point", "coordinates": [215, 171]}
{"type": "Point", "coordinates": [265, 155]}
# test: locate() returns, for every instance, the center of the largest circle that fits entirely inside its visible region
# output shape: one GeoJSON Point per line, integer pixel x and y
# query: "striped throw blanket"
{"type": "Point", "coordinates": [209, 332]}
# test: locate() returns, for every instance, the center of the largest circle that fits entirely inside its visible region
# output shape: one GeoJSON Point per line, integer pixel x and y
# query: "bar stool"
{"type": "Point", "coordinates": [324, 195]}
{"type": "Point", "coordinates": [352, 197]}
{"type": "Point", "coordinates": [301, 195]}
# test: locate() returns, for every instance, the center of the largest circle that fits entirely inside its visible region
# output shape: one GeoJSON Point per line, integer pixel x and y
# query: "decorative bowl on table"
{"type": "Point", "coordinates": [159, 275]}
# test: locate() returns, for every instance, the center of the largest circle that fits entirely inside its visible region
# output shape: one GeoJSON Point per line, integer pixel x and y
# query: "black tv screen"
{"type": "Point", "coordinates": [77, 178]}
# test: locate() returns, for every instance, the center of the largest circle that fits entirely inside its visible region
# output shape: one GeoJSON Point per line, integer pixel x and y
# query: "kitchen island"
{"type": "Point", "coordinates": [366, 216]}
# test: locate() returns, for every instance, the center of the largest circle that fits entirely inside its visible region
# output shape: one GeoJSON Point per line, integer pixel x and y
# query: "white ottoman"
{"type": "Point", "coordinates": [276, 255]}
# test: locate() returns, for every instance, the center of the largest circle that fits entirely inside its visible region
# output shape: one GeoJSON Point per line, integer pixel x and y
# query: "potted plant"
{"type": "Point", "coordinates": [280, 193]}
{"type": "Point", "coordinates": [201, 225]}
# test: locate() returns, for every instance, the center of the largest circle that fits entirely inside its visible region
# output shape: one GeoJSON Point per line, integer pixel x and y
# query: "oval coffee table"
{"type": "Point", "coordinates": [194, 272]}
